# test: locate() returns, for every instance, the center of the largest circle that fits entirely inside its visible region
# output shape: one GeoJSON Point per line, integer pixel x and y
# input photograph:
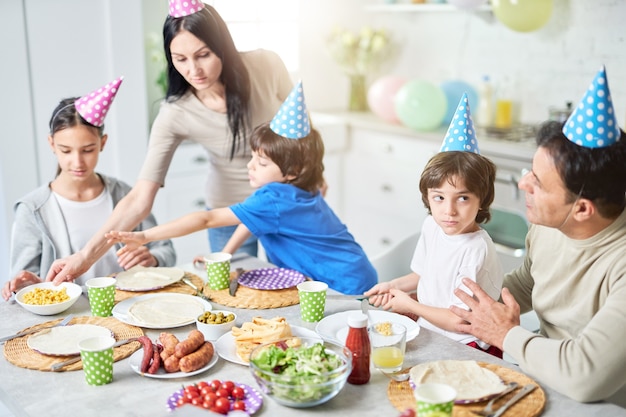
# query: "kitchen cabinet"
{"type": "Point", "coordinates": [182, 194]}
{"type": "Point", "coordinates": [381, 187]}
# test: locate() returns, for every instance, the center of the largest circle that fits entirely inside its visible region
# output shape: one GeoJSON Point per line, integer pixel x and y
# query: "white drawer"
{"type": "Point", "coordinates": [397, 147]}
{"type": "Point", "coordinates": [189, 159]}
{"type": "Point", "coordinates": [383, 184]}
{"type": "Point", "coordinates": [377, 231]}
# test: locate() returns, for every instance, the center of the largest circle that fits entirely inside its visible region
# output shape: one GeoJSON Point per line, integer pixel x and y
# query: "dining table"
{"type": "Point", "coordinates": [31, 392]}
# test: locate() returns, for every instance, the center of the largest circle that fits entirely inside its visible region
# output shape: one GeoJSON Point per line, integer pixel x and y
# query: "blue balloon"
{"type": "Point", "coordinates": [453, 90]}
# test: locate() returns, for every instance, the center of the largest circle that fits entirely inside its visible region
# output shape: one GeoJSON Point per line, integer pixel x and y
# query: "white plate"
{"type": "Point", "coordinates": [335, 326]}
{"type": "Point", "coordinates": [226, 348]}
{"type": "Point", "coordinates": [121, 310]}
{"type": "Point", "coordinates": [63, 340]}
{"type": "Point", "coordinates": [139, 278]}
{"type": "Point", "coordinates": [135, 364]}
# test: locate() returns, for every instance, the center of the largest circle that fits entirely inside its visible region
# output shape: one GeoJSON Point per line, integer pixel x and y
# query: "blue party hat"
{"type": "Point", "coordinates": [461, 135]}
{"type": "Point", "coordinates": [292, 119]}
{"type": "Point", "coordinates": [593, 123]}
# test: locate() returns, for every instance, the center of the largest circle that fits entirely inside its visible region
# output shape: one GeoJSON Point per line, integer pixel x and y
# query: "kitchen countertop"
{"type": "Point", "coordinates": [489, 144]}
{"type": "Point", "coordinates": [34, 393]}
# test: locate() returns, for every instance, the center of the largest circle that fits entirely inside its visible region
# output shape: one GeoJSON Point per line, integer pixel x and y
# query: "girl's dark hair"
{"type": "Point", "coordinates": [598, 174]}
{"type": "Point", "coordinates": [301, 158]}
{"type": "Point", "coordinates": [65, 116]}
{"type": "Point", "coordinates": [477, 172]}
{"type": "Point", "coordinates": [208, 26]}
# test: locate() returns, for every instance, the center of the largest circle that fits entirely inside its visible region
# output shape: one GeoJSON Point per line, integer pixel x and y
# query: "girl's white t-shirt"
{"type": "Point", "coordinates": [82, 221]}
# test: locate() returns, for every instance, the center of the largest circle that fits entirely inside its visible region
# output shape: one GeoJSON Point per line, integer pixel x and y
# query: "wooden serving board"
{"type": "Point", "coordinates": [401, 395]}
{"type": "Point", "coordinates": [18, 353]}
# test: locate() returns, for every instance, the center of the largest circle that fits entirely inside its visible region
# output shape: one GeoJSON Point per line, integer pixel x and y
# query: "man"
{"type": "Point", "coordinates": [574, 272]}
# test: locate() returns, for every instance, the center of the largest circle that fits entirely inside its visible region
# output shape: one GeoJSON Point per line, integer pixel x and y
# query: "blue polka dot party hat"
{"type": "Point", "coordinates": [593, 123]}
{"type": "Point", "coordinates": [292, 119]}
{"type": "Point", "coordinates": [461, 135]}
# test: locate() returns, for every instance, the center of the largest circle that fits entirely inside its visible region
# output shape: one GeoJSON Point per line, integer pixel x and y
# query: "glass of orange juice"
{"type": "Point", "coordinates": [388, 342]}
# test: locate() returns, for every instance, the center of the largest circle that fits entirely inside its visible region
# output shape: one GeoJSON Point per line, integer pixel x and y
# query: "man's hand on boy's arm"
{"type": "Point", "coordinates": [487, 319]}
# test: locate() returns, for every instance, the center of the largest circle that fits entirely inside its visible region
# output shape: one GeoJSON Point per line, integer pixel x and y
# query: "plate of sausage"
{"type": "Point", "coordinates": [137, 357]}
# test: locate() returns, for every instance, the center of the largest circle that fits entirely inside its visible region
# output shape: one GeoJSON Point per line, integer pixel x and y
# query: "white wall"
{"type": "Point", "coordinates": [549, 66]}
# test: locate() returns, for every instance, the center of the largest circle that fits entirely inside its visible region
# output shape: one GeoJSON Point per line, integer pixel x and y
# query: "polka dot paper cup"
{"type": "Point", "coordinates": [312, 300]}
{"type": "Point", "coordinates": [434, 400]}
{"type": "Point", "coordinates": [218, 270]}
{"type": "Point", "coordinates": [101, 292]}
{"type": "Point", "coordinates": [97, 356]}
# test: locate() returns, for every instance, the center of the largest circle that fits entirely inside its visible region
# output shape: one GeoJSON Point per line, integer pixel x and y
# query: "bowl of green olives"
{"type": "Point", "coordinates": [215, 323]}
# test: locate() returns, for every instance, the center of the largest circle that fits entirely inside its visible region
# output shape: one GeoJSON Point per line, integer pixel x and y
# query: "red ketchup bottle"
{"type": "Point", "coordinates": [358, 342]}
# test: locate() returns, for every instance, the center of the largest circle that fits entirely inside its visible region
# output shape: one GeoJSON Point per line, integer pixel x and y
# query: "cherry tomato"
{"type": "Point", "coordinates": [182, 401]}
{"type": "Point", "coordinates": [215, 384]}
{"type": "Point", "coordinates": [206, 390]}
{"type": "Point", "coordinates": [202, 384]}
{"type": "Point", "coordinates": [222, 405]}
{"type": "Point", "coordinates": [223, 393]}
{"type": "Point", "coordinates": [238, 393]}
{"type": "Point", "coordinates": [239, 405]}
{"type": "Point", "coordinates": [197, 401]}
{"type": "Point", "coordinates": [228, 386]}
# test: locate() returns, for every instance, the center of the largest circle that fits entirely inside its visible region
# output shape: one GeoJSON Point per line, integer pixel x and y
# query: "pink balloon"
{"type": "Point", "coordinates": [381, 94]}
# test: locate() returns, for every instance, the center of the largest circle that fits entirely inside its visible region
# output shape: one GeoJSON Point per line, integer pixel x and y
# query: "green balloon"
{"type": "Point", "coordinates": [522, 15]}
{"type": "Point", "coordinates": [421, 105]}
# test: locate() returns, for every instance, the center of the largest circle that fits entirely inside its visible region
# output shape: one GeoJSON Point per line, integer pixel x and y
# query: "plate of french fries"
{"type": "Point", "coordinates": [236, 345]}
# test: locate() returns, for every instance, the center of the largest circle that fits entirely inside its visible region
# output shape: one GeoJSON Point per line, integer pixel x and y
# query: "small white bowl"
{"type": "Point", "coordinates": [214, 331]}
{"type": "Point", "coordinates": [73, 290]}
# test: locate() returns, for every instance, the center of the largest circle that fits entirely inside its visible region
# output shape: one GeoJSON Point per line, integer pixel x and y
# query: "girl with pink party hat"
{"type": "Point", "coordinates": [58, 218]}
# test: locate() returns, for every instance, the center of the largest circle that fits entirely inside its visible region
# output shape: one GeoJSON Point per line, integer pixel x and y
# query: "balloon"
{"type": "Point", "coordinates": [453, 90]}
{"type": "Point", "coordinates": [522, 15]}
{"type": "Point", "coordinates": [467, 4]}
{"type": "Point", "coordinates": [420, 105]}
{"type": "Point", "coordinates": [380, 97]}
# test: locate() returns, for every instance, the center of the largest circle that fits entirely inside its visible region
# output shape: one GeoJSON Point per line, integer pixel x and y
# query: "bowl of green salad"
{"type": "Point", "coordinates": [301, 376]}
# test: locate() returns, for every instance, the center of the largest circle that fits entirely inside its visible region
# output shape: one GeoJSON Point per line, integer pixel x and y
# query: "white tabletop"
{"type": "Point", "coordinates": [34, 393]}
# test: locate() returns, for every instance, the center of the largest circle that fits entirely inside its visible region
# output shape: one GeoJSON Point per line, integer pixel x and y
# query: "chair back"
{"type": "Point", "coordinates": [396, 261]}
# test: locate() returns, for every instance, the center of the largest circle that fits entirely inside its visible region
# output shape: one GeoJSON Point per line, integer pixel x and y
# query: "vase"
{"type": "Point", "coordinates": [358, 93]}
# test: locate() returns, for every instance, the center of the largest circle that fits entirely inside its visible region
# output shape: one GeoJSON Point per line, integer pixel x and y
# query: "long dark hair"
{"type": "Point", "coordinates": [597, 174]}
{"type": "Point", "coordinates": [208, 26]}
{"type": "Point", "coordinates": [65, 116]}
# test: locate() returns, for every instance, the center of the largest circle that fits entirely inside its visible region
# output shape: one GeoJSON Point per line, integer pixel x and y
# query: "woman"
{"type": "Point", "coordinates": [215, 96]}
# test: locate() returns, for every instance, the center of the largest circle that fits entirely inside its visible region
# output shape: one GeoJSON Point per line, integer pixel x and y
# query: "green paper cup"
{"type": "Point", "coordinates": [97, 356]}
{"type": "Point", "coordinates": [434, 400]}
{"type": "Point", "coordinates": [101, 292]}
{"type": "Point", "coordinates": [218, 270]}
{"type": "Point", "coordinates": [312, 296]}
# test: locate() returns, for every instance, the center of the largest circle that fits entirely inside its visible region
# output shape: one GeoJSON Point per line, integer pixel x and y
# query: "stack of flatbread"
{"type": "Point", "coordinates": [166, 310]}
{"type": "Point", "coordinates": [261, 331]}
{"type": "Point", "coordinates": [471, 381]}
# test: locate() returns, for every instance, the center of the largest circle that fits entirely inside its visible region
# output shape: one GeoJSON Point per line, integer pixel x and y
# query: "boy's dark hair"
{"type": "Point", "coordinates": [598, 174]}
{"type": "Point", "coordinates": [208, 26]}
{"type": "Point", "coordinates": [301, 158]}
{"type": "Point", "coordinates": [478, 173]}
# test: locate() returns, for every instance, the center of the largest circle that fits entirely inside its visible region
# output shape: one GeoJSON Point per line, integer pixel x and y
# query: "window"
{"type": "Point", "coordinates": [267, 24]}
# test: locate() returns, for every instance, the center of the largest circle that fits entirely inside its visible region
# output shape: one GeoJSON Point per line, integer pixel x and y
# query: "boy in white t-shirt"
{"type": "Point", "coordinates": [457, 188]}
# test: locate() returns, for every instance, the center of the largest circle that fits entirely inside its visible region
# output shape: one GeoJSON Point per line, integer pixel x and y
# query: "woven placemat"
{"type": "Point", "coordinates": [18, 353]}
{"type": "Point", "coordinates": [401, 395]}
{"type": "Point", "coordinates": [177, 287]}
{"type": "Point", "coordinates": [246, 297]}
